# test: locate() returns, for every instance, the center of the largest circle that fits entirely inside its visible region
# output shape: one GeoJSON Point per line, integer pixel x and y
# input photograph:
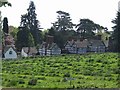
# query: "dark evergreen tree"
{"type": "Point", "coordinates": [33, 23]}
{"type": "Point", "coordinates": [24, 38]}
{"type": "Point", "coordinates": [63, 22]}
{"type": "Point", "coordinates": [61, 28]}
{"type": "Point", "coordinates": [29, 33]}
{"type": "Point", "coordinates": [86, 28]}
{"type": "Point", "coordinates": [116, 34]}
{"type": "Point", "coordinates": [5, 25]}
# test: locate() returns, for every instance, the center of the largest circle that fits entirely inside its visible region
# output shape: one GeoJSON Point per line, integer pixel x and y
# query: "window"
{"type": "Point", "coordinates": [10, 52]}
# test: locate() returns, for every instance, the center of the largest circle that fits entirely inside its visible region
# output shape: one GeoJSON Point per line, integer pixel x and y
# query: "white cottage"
{"type": "Point", "coordinates": [10, 53]}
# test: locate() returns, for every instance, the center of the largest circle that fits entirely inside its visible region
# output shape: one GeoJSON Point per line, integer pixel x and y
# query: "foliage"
{"type": "Point", "coordinates": [4, 3]}
{"type": "Point", "coordinates": [24, 39]}
{"type": "Point", "coordinates": [5, 25]}
{"type": "Point", "coordinates": [87, 28]}
{"type": "Point", "coordinates": [29, 33]}
{"type": "Point", "coordinates": [81, 71]}
{"type": "Point", "coordinates": [64, 22]}
{"type": "Point", "coordinates": [62, 29]}
{"type": "Point", "coordinates": [116, 33]}
{"type": "Point", "coordinates": [13, 32]}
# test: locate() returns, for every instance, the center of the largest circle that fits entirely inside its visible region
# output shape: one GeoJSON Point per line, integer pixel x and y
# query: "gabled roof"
{"type": "Point", "coordinates": [6, 48]}
{"type": "Point", "coordinates": [70, 42]}
{"type": "Point", "coordinates": [96, 43]}
{"type": "Point", "coordinates": [83, 43]}
{"type": "Point", "coordinates": [48, 46]}
{"type": "Point", "coordinates": [53, 45]}
{"type": "Point", "coordinates": [33, 50]}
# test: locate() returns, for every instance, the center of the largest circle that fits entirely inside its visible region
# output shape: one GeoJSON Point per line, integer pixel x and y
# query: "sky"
{"type": "Point", "coordinates": [100, 11]}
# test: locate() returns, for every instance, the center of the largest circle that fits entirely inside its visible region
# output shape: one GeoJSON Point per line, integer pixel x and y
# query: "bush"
{"type": "Point", "coordinates": [12, 83]}
{"type": "Point", "coordinates": [21, 81]}
{"type": "Point", "coordinates": [67, 75]}
{"type": "Point", "coordinates": [32, 82]}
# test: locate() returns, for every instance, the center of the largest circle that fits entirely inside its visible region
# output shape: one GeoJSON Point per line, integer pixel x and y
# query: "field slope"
{"type": "Point", "coordinates": [66, 71]}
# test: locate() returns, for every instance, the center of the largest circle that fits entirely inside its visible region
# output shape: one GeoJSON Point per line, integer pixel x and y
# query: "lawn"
{"type": "Point", "coordinates": [65, 71]}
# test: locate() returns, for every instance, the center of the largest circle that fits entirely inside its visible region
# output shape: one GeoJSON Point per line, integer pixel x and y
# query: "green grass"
{"type": "Point", "coordinates": [67, 71]}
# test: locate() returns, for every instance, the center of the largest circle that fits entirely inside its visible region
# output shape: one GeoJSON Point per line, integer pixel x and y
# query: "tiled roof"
{"type": "Point", "coordinates": [33, 50]}
{"type": "Point", "coordinates": [6, 48]}
{"type": "Point", "coordinates": [48, 46]}
{"type": "Point", "coordinates": [96, 42]}
{"type": "Point", "coordinates": [80, 44]}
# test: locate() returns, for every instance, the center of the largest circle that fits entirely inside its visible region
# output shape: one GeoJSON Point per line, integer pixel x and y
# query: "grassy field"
{"type": "Point", "coordinates": [66, 71]}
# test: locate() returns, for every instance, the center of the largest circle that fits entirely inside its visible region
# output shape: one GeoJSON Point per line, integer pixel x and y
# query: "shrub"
{"type": "Point", "coordinates": [66, 75]}
{"type": "Point", "coordinates": [42, 78]}
{"type": "Point", "coordinates": [12, 83]}
{"type": "Point", "coordinates": [64, 80]}
{"type": "Point", "coordinates": [32, 82]}
{"type": "Point", "coordinates": [21, 81]}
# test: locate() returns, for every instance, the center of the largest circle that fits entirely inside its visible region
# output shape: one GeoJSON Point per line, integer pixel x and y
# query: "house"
{"type": "Point", "coordinates": [42, 49]}
{"type": "Point", "coordinates": [9, 52]}
{"type": "Point", "coordinates": [49, 49]}
{"type": "Point", "coordinates": [54, 49]}
{"type": "Point", "coordinates": [79, 46]}
{"type": "Point", "coordinates": [23, 53]}
{"type": "Point", "coordinates": [70, 46]}
{"type": "Point", "coordinates": [28, 51]}
{"type": "Point", "coordinates": [96, 46]}
{"type": "Point", "coordinates": [82, 46]}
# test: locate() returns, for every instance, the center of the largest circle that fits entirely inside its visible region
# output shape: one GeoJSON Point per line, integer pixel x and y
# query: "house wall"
{"type": "Point", "coordinates": [101, 49]}
{"type": "Point", "coordinates": [48, 52]}
{"type": "Point", "coordinates": [13, 55]}
{"type": "Point", "coordinates": [56, 51]}
{"type": "Point", "coordinates": [97, 49]}
{"type": "Point", "coordinates": [93, 49]}
{"type": "Point", "coordinates": [42, 51]}
{"type": "Point", "coordinates": [81, 50]}
{"type": "Point", "coordinates": [23, 54]}
{"type": "Point", "coordinates": [72, 49]}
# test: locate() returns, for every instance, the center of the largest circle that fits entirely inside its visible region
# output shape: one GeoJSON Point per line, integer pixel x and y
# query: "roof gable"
{"type": "Point", "coordinates": [96, 43]}
{"type": "Point", "coordinates": [33, 50]}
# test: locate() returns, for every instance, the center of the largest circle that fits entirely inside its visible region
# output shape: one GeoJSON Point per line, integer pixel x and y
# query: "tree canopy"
{"type": "Point", "coordinates": [86, 28]}
{"type": "Point", "coordinates": [4, 3]}
{"type": "Point", "coordinates": [116, 33]}
{"type": "Point", "coordinates": [30, 26]}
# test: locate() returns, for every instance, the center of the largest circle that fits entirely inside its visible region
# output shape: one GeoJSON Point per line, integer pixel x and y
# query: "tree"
{"type": "Point", "coordinates": [24, 38]}
{"type": "Point", "coordinates": [63, 22]}
{"type": "Point", "coordinates": [61, 28]}
{"type": "Point", "coordinates": [86, 28]}
{"type": "Point", "coordinates": [29, 21]}
{"type": "Point", "coordinates": [33, 23]}
{"type": "Point", "coordinates": [5, 25]}
{"type": "Point", "coordinates": [13, 31]}
{"type": "Point", "coordinates": [4, 3]}
{"type": "Point", "coordinates": [116, 33]}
